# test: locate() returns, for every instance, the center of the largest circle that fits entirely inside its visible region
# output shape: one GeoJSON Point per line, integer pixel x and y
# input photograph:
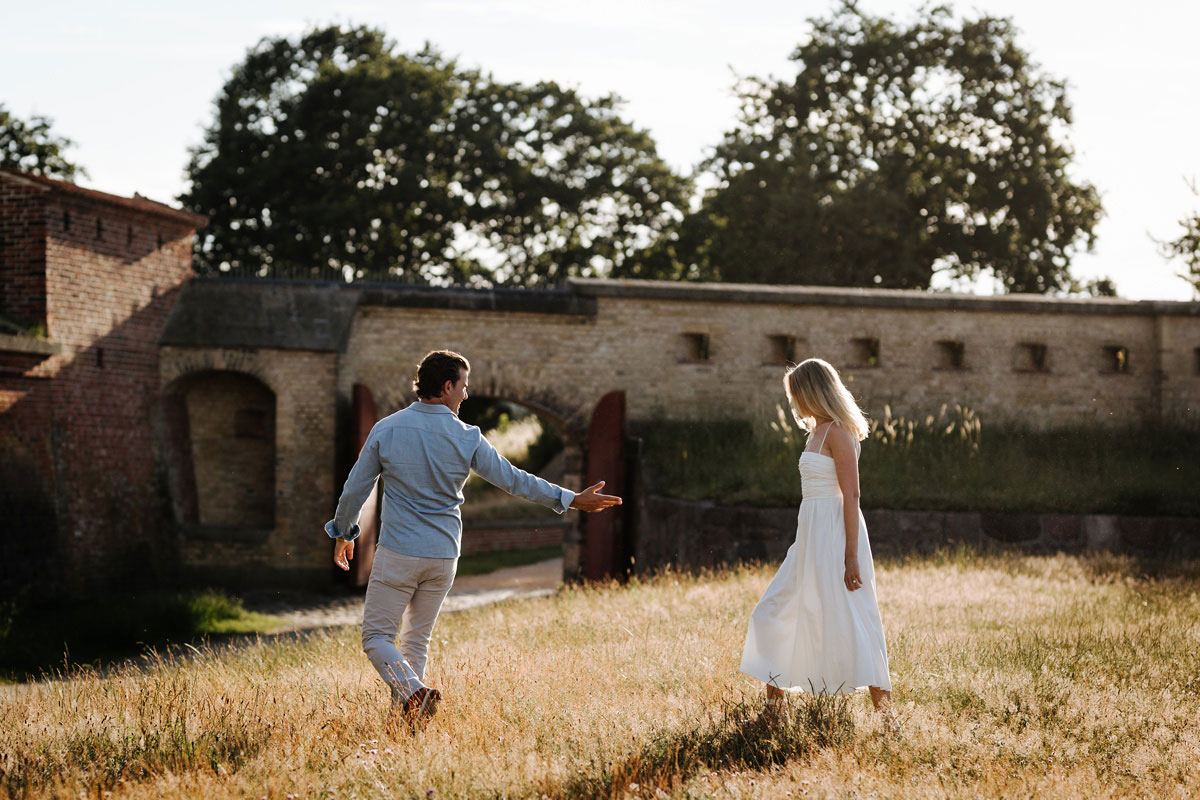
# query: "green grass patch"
{"type": "Point", "coordinates": [943, 462]}
{"type": "Point", "coordinates": [35, 637]}
{"type": "Point", "coordinates": [481, 563]}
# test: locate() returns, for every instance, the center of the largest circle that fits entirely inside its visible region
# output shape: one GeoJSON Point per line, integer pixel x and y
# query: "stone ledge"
{"type": "Point", "coordinates": [876, 298]}
{"type": "Point", "coordinates": [28, 344]}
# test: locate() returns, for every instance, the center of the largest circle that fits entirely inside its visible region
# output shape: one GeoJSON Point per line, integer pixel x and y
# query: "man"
{"type": "Point", "coordinates": [425, 454]}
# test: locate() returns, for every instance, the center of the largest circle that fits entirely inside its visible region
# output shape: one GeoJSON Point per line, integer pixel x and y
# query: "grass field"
{"type": "Point", "coordinates": [1014, 677]}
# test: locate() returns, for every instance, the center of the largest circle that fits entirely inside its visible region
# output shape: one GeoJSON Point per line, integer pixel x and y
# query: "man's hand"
{"type": "Point", "coordinates": [343, 551]}
{"type": "Point", "coordinates": [591, 500]}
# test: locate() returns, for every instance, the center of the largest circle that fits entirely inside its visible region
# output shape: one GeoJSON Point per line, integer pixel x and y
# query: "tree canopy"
{"type": "Point", "coordinates": [896, 150]}
{"type": "Point", "coordinates": [33, 147]}
{"type": "Point", "coordinates": [335, 156]}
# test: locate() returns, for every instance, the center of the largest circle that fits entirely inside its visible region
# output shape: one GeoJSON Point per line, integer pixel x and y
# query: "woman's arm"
{"type": "Point", "coordinates": [845, 461]}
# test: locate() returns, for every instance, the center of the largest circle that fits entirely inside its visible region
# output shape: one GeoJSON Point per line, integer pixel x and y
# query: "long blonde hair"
{"type": "Point", "coordinates": [814, 388]}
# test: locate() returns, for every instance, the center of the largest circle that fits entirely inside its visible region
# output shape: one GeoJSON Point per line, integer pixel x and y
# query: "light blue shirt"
{"type": "Point", "coordinates": [425, 454]}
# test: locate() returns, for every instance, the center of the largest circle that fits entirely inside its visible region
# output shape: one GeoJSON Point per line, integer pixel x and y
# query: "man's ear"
{"type": "Point", "coordinates": [447, 387]}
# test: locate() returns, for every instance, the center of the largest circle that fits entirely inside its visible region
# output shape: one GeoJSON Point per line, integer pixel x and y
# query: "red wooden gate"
{"type": "Point", "coordinates": [364, 418]}
{"type": "Point", "coordinates": [603, 544]}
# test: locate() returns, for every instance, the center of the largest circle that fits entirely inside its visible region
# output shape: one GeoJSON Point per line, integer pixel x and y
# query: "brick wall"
{"type": "Point", "coordinates": [23, 253]}
{"type": "Point", "coordinates": [111, 269]}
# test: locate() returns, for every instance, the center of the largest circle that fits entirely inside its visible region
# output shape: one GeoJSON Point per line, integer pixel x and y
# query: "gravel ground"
{"type": "Point", "coordinates": [305, 611]}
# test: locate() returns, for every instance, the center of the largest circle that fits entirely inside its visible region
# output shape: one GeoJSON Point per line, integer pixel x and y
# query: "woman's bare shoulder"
{"type": "Point", "coordinates": [839, 438]}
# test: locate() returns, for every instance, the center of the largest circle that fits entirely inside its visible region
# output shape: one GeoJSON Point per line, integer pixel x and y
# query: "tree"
{"type": "Point", "coordinates": [334, 156]}
{"type": "Point", "coordinates": [1186, 246]}
{"type": "Point", "coordinates": [896, 151]}
{"type": "Point", "coordinates": [32, 147]}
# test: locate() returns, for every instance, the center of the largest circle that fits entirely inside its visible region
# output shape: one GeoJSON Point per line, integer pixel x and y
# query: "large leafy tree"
{"type": "Point", "coordinates": [335, 156]}
{"type": "Point", "coordinates": [31, 146]}
{"type": "Point", "coordinates": [896, 150]}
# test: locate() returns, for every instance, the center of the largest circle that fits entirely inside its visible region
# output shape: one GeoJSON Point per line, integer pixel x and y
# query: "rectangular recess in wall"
{"type": "Point", "coordinates": [1114, 359]}
{"type": "Point", "coordinates": [950, 355]}
{"type": "Point", "coordinates": [864, 353]}
{"type": "Point", "coordinates": [694, 348]}
{"type": "Point", "coordinates": [781, 350]}
{"type": "Point", "coordinates": [1031, 357]}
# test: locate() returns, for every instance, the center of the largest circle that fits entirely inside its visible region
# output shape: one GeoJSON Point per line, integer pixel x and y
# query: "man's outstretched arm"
{"type": "Point", "coordinates": [499, 471]}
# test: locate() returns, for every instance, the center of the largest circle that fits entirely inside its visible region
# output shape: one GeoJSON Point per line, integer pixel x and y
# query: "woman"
{"type": "Point", "coordinates": [817, 626]}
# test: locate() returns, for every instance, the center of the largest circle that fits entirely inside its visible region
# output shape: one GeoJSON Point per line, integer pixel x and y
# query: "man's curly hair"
{"type": "Point", "coordinates": [435, 369]}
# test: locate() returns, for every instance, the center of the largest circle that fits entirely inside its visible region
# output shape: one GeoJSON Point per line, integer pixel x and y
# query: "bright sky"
{"type": "Point", "coordinates": [132, 82]}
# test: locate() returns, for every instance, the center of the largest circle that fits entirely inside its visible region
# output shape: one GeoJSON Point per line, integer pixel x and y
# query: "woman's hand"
{"type": "Point", "coordinates": [853, 579]}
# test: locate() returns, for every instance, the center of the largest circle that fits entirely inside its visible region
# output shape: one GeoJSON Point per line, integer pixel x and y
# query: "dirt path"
{"type": "Point", "coordinates": [307, 611]}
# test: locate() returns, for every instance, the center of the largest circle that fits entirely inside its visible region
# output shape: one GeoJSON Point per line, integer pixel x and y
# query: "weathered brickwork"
{"type": "Point", "coordinates": [23, 253]}
{"type": "Point", "coordinates": [565, 363]}
{"type": "Point", "coordinates": [111, 268]}
{"type": "Point", "coordinates": [491, 538]}
{"type": "Point", "coordinates": [228, 543]}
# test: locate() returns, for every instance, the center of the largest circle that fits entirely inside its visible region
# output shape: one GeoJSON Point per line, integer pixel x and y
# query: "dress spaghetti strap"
{"type": "Point", "coordinates": [823, 435]}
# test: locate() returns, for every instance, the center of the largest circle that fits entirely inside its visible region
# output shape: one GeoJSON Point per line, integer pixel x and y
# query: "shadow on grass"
{"type": "Point", "coordinates": [745, 736]}
{"type": "Point", "coordinates": [40, 639]}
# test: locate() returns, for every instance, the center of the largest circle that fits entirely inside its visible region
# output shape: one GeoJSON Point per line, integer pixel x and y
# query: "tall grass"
{"type": "Point", "coordinates": [1013, 677]}
{"type": "Point", "coordinates": [945, 461]}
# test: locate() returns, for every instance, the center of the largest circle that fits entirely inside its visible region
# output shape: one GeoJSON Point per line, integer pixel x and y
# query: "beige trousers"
{"type": "Point", "coordinates": [409, 590]}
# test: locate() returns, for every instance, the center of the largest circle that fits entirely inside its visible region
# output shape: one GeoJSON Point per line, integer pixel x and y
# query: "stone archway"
{"type": "Point", "coordinates": [569, 422]}
{"type": "Point", "coordinates": [220, 451]}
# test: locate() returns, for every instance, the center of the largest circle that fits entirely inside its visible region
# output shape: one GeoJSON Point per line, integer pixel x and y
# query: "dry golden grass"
{"type": "Point", "coordinates": [1014, 677]}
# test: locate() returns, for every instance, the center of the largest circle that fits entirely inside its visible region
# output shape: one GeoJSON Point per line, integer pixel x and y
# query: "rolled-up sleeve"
{"type": "Point", "coordinates": [359, 484]}
{"type": "Point", "coordinates": [499, 471]}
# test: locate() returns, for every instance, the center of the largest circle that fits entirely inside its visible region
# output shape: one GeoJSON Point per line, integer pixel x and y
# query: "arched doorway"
{"type": "Point", "coordinates": [220, 452]}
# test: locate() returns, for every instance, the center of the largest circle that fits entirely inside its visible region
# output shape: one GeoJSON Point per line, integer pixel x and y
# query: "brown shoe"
{"type": "Point", "coordinates": [422, 703]}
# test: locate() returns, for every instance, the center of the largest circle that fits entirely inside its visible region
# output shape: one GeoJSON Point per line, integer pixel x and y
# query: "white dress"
{"type": "Point", "coordinates": [808, 632]}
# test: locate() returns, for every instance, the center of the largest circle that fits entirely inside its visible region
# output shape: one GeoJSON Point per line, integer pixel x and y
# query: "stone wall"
{"type": "Point", "coordinates": [692, 535]}
{"type": "Point", "coordinates": [677, 351]}
{"type": "Point", "coordinates": [491, 536]}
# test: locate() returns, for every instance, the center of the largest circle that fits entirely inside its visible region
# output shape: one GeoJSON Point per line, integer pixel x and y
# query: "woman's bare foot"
{"type": "Point", "coordinates": [775, 702]}
{"type": "Point", "coordinates": [881, 699]}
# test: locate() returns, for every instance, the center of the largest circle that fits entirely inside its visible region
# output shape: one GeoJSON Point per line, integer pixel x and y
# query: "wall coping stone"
{"type": "Point", "coordinates": [885, 298]}
{"type": "Point", "coordinates": [250, 312]}
{"type": "Point", "coordinates": [28, 344]}
{"type": "Point", "coordinates": [136, 203]}
{"type": "Point", "coordinates": [533, 301]}
{"type": "Point", "coordinates": [293, 314]}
